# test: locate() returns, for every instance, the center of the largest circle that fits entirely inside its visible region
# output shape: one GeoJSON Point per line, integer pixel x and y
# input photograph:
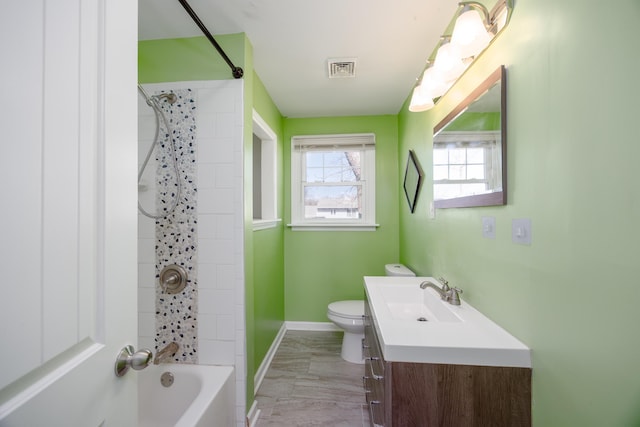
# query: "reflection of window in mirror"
{"type": "Point", "coordinates": [466, 163]}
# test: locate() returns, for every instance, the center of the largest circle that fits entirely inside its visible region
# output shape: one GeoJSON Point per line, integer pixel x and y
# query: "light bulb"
{"type": "Point", "coordinates": [448, 63]}
{"type": "Point", "coordinates": [434, 83]}
{"type": "Point", "coordinates": [469, 34]}
{"type": "Point", "coordinates": [420, 100]}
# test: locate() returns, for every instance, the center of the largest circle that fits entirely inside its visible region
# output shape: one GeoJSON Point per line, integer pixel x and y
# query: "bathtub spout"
{"type": "Point", "coordinates": [166, 353]}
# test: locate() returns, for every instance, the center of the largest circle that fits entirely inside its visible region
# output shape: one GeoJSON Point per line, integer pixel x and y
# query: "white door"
{"type": "Point", "coordinates": [68, 211]}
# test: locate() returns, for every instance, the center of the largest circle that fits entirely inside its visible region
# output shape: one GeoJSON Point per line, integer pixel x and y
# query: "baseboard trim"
{"type": "Point", "coordinates": [253, 415]}
{"type": "Point", "coordinates": [311, 326]}
{"type": "Point", "coordinates": [264, 366]}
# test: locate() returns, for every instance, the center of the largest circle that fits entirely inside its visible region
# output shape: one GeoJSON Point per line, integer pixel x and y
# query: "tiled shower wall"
{"type": "Point", "coordinates": [217, 275]}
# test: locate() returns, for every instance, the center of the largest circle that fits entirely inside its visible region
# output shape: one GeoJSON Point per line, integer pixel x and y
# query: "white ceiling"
{"type": "Point", "coordinates": [293, 39]}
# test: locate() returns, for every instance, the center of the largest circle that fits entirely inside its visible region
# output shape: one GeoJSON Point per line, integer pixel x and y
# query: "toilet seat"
{"type": "Point", "coordinates": [352, 309]}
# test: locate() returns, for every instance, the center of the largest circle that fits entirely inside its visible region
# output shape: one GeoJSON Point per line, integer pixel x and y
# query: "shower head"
{"type": "Point", "coordinates": [170, 97]}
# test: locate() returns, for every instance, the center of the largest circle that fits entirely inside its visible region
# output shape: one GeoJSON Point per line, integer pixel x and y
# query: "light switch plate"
{"type": "Point", "coordinates": [489, 227]}
{"type": "Point", "coordinates": [521, 231]}
{"type": "Point", "coordinates": [432, 210]}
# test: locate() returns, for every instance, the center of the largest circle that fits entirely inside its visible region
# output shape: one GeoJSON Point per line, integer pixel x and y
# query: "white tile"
{"type": "Point", "coordinates": [146, 127]}
{"type": "Point", "coordinates": [146, 227]}
{"type": "Point", "coordinates": [214, 352]}
{"type": "Point", "coordinates": [215, 200]}
{"type": "Point", "coordinates": [217, 100]}
{"type": "Point", "coordinates": [226, 327]}
{"type": "Point", "coordinates": [207, 225]}
{"type": "Point", "coordinates": [147, 342]}
{"type": "Point", "coordinates": [225, 176]}
{"type": "Point", "coordinates": [225, 276]}
{"type": "Point", "coordinates": [147, 194]}
{"type": "Point", "coordinates": [224, 227]}
{"type": "Point", "coordinates": [239, 340]}
{"type": "Point", "coordinates": [215, 150]}
{"type": "Point", "coordinates": [208, 326]}
{"type": "Point", "coordinates": [239, 290]}
{"type": "Point", "coordinates": [146, 300]}
{"type": "Point", "coordinates": [225, 125]}
{"type": "Point", "coordinates": [240, 318]}
{"type": "Point", "coordinates": [206, 126]}
{"type": "Point", "coordinates": [146, 250]}
{"type": "Point", "coordinates": [147, 324]}
{"type": "Point", "coordinates": [207, 276]}
{"type": "Point", "coordinates": [216, 250]}
{"type": "Point", "coordinates": [206, 175]}
{"type": "Point", "coordinates": [146, 275]}
{"type": "Point", "coordinates": [224, 251]}
{"type": "Point", "coordinates": [214, 301]}
{"type": "Point", "coordinates": [240, 367]}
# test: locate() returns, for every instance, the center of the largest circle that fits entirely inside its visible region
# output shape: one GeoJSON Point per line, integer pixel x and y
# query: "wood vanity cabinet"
{"type": "Point", "coordinates": [403, 394]}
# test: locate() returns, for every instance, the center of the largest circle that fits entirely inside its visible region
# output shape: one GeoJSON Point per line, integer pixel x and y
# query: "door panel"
{"type": "Point", "coordinates": [69, 207]}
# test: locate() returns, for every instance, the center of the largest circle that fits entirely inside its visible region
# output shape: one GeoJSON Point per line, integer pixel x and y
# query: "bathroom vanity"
{"type": "Point", "coordinates": [427, 364]}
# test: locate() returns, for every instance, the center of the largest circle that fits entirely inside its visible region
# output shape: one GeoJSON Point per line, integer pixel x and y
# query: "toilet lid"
{"type": "Point", "coordinates": [353, 308]}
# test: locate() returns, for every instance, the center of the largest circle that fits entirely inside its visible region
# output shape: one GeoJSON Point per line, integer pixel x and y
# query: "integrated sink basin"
{"type": "Point", "coordinates": [415, 304]}
{"type": "Point", "coordinates": [416, 325]}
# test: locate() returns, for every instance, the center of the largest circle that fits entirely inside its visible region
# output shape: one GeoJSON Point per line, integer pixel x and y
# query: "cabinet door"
{"type": "Point", "coordinates": [374, 375]}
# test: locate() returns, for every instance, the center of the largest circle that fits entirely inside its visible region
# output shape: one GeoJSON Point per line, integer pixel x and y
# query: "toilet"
{"type": "Point", "coordinates": [347, 315]}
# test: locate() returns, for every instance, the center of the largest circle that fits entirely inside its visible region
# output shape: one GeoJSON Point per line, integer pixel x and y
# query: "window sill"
{"type": "Point", "coordinates": [333, 227]}
{"type": "Point", "coordinates": [263, 224]}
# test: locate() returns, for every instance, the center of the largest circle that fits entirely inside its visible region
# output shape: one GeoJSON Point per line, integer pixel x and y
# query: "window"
{"type": "Point", "coordinates": [265, 195]}
{"type": "Point", "coordinates": [465, 163]}
{"type": "Point", "coordinates": [333, 181]}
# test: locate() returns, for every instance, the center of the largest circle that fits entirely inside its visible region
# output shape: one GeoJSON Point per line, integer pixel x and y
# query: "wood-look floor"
{"type": "Point", "coordinates": [308, 384]}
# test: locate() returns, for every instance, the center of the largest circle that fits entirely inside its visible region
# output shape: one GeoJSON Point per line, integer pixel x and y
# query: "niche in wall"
{"type": "Point", "coordinates": [265, 194]}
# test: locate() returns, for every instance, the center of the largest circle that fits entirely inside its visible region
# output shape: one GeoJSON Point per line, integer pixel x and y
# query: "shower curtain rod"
{"type": "Point", "coordinates": [237, 71]}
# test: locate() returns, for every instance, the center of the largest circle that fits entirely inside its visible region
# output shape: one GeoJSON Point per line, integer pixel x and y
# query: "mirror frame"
{"type": "Point", "coordinates": [496, 198]}
{"type": "Point", "coordinates": [411, 191]}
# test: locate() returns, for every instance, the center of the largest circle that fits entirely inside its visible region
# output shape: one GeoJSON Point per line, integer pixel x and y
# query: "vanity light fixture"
{"type": "Point", "coordinates": [474, 27]}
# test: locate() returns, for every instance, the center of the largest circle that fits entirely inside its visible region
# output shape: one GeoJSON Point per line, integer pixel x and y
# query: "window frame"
{"type": "Point", "coordinates": [268, 174]}
{"type": "Point", "coordinates": [363, 142]}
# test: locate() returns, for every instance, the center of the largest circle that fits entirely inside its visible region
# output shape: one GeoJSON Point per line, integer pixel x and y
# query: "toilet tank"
{"type": "Point", "coordinates": [397, 270]}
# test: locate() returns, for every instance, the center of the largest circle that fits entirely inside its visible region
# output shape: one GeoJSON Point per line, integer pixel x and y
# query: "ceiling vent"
{"type": "Point", "coordinates": [342, 67]}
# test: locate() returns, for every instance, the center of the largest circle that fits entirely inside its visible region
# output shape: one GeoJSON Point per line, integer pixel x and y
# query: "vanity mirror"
{"type": "Point", "coordinates": [469, 149]}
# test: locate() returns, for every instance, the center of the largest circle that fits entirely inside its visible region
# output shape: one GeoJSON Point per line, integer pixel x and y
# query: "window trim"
{"type": "Point", "coordinates": [269, 161]}
{"type": "Point", "coordinates": [367, 222]}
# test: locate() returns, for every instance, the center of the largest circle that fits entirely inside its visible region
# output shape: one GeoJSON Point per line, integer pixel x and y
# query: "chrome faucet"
{"type": "Point", "coordinates": [450, 295]}
{"type": "Point", "coordinates": [166, 353]}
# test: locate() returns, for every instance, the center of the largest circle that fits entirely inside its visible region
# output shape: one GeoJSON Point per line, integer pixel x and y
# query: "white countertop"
{"type": "Point", "coordinates": [466, 338]}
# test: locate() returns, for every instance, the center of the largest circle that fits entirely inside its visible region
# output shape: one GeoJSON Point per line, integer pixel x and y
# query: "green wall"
{"type": "Point", "coordinates": [475, 122]}
{"type": "Point", "coordinates": [187, 59]}
{"type": "Point", "coordinates": [268, 247]}
{"type": "Point", "coordinates": [326, 266]}
{"type": "Point", "coordinates": [573, 295]}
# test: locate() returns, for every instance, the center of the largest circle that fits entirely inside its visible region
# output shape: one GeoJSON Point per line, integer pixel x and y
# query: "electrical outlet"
{"type": "Point", "coordinates": [521, 231]}
{"type": "Point", "coordinates": [489, 227]}
{"type": "Point", "coordinates": [432, 210]}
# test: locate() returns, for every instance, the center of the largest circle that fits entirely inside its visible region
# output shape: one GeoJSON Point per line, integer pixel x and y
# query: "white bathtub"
{"type": "Point", "coordinates": [200, 396]}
